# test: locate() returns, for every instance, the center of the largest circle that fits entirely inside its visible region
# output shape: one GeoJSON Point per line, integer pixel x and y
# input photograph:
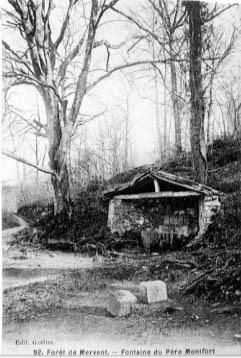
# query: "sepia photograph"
{"type": "Point", "coordinates": [121, 178]}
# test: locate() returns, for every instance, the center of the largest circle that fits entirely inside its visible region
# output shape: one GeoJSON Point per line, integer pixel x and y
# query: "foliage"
{"type": "Point", "coordinates": [219, 255]}
{"type": "Point", "coordinates": [88, 224]}
{"type": "Point", "coordinates": [224, 151]}
{"type": "Point", "coordinates": [9, 221]}
{"type": "Point", "coordinates": [85, 231]}
{"type": "Point", "coordinates": [227, 224]}
{"type": "Point", "coordinates": [224, 157]}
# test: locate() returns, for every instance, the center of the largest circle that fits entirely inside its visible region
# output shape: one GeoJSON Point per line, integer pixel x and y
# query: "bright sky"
{"type": "Point", "coordinates": [109, 93]}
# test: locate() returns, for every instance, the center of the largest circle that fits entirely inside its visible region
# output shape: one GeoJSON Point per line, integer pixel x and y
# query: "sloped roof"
{"type": "Point", "coordinates": [159, 175]}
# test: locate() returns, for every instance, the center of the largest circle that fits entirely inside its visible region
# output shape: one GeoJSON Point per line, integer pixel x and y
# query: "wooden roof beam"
{"type": "Point", "coordinates": [163, 194]}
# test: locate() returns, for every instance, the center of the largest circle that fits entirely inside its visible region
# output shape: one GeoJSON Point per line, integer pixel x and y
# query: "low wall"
{"type": "Point", "coordinates": [165, 216]}
{"type": "Point", "coordinates": [208, 208]}
{"type": "Point", "coordinates": [163, 220]}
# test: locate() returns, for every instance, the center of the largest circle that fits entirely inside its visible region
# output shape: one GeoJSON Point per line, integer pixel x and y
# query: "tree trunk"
{"type": "Point", "coordinates": [62, 201]}
{"type": "Point", "coordinates": [197, 135]}
{"type": "Point", "coordinates": [59, 136]}
{"type": "Point", "coordinates": [127, 115]}
{"type": "Point", "coordinates": [210, 105]}
{"type": "Point", "coordinates": [176, 110]}
{"type": "Point", "coordinates": [175, 100]}
{"type": "Point", "coordinates": [157, 112]}
{"type": "Point", "coordinates": [165, 115]}
{"type": "Point", "coordinates": [157, 115]}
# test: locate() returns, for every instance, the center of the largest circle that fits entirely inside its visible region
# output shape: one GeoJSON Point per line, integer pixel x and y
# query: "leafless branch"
{"type": "Point", "coordinates": [65, 23]}
{"type": "Point", "coordinates": [88, 119]}
{"type": "Point", "coordinates": [143, 28]}
{"type": "Point", "coordinates": [63, 67]}
{"type": "Point", "coordinates": [214, 13]}
{"type": "Point", "coordinates": [133, 64]}
{"type": "Point", "coordinates": [82, 78]}
{"type": "Point", "coordinates": [25, 161]}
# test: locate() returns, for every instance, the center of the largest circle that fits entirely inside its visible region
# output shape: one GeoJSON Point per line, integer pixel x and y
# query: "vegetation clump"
{"type": "Point", "coordinates": [217, 254]}
{"type": "Point", "coordinates": [9, 221]}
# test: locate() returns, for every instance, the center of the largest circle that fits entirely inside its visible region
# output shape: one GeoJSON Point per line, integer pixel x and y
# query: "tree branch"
{"type": "Point", "coordinates": [119, 45]}
{"type": "Point", "coordinates": [164, 82]}
{"type": "Point", "coordinates": [152, 34]}
{"type": "Point", "coordinates": [63, 67]}
{"type": "Point", "coordinates": [25, 161]}
{"type": "Point", "coordinates": [37, 129]}
{"type": "Point", "coordinates": [82, 78]}
{"type": "Point", "coordinates": [17, 57]}
{"type": "Point", "coordinates": [215, 13]}
{"type": "Point", "coordinates": [65, 23]}
{"type": "Point", "coordinates": [88, 119]}
{"type": "Point", "coordinates": [127, 65]}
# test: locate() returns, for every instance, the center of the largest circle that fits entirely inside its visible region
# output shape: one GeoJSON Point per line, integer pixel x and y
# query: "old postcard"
{"type": "Point", "coordinates": [121, 178]}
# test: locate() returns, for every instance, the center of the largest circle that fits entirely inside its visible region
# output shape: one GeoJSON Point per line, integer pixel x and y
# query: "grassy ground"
{"type": "Point", "coordinates": [75, 304]}
{"type": "Point", "coordinates": [88, 224]}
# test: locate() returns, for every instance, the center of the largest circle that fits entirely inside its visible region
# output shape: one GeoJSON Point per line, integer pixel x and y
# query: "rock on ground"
{"type": "Point", "coordinates": [121, 303]}
{"type": "Point", "coordinates": [153, 291]}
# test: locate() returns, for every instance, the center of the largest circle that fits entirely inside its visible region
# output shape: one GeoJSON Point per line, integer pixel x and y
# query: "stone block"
{"type": "Point", "coordinates": [153, 291]}
{"type": "Point", "coordinates": [176, 220]}
{"type": "Point", "coordinates": [166, 220]}
{"type": "Point", "coordinates": [171, 220]}
{"type": "Point", "coordinates": [181, 230]}
{"type": "Point", "coordinates": [186, 220]}
{"type": "Point", "coordinates": [121, 303]}
{"type": "Point", "coordinates": [149, 239]}
{"type": "Point", "coordinates": [163, 229]}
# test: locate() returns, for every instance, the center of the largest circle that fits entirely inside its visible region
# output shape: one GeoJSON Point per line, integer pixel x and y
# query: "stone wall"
{"type": "Point", "coordinates": [156, 219]}
{"type": "Point", "coordinates": [208, 208]}
{"type": "Point", "coordinates": [163, 220]}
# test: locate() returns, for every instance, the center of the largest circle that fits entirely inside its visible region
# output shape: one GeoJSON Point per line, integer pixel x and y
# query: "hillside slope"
{"type": "Point", "coordinates": [218, 254]}
{"type": "Point", "coordinates": [89, 219]}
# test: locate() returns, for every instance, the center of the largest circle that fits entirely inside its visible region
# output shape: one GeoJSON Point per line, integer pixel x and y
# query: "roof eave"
{"type": "Point", "coordinates": [171, 178]}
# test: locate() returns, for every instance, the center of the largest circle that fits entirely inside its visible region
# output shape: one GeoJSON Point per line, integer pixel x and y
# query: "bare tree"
{"type": "Point", "coordinates": [200, 16]}
{"type": "Point", "coordinates": [229, 102]}
{"type": "Point", "coordinates": [42, 64]}
{"type": "Point", "coordinates": [157, 104]}
{"type": "Point", "coordinates": [172, 18]}
{"type": "Point", "coordinates": [50, 65]}
{"type": "Point", "coordinates": [168, 18]}
{"type": "Point", "coordinates": [196, 88]}
{"type": "Point", "coordinates": [23, 131]}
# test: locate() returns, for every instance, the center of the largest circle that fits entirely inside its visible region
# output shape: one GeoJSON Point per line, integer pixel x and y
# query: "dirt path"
{"type": "Point", "coordinates": [48, 306]}
{"type": "Point", "coordinates": [22, 266]}
{"type": "Point", "coordinates": [8, 234]}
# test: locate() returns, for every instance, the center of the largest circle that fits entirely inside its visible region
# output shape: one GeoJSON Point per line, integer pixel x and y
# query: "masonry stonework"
{"type": "Point", "coordinates": [163, 209]}
{"type": "Point", "coordinates": [208, 208]}
{"type": "Point", "coordinates": [162, 221]}
{"type": "Point", "coordinates": [156, 219]}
